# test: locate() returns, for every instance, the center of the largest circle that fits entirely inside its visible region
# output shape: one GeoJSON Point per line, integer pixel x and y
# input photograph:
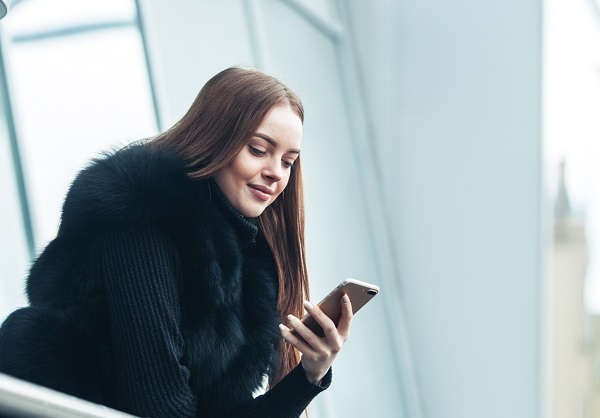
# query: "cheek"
{"type": "Point", "coordinates": [239, 171]}
{"type": "Point", "coordinates": [283, 185]}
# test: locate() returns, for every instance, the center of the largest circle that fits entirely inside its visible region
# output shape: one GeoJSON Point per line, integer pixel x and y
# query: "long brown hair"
{"type": "Point", "coordinates": [226, 113]}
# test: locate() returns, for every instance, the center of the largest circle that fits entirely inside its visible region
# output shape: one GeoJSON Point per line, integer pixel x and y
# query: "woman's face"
{"type": "Point", "coordinates": [260, 172]}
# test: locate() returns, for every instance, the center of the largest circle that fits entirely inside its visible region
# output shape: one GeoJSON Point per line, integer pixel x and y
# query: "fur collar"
{"type": "Point", "coordinates": [140, 183]}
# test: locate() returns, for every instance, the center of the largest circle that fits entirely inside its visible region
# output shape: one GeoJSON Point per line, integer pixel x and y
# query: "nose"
{"type": "Point", "coordinates": [273, 170]}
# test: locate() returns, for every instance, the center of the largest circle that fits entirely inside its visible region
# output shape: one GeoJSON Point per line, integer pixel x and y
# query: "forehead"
{"type": "Point", "coordinates": [283, 125]}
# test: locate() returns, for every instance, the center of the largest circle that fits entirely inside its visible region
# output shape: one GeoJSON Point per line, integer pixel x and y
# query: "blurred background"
{"type": "Point", "coordinates": [451, 155]}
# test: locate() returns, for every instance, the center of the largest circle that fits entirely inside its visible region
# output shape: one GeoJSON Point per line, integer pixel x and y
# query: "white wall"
{"type": "Point", "coordinates": [190, 43]}
{"type": "Point", "coordinates": [454, 89]}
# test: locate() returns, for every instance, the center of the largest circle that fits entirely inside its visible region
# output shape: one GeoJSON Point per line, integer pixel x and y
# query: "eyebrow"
{"type": "Point", "coordinates": [274, 143]}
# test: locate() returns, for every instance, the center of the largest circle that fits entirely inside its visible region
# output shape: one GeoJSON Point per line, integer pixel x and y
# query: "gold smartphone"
{"type": "Point", "coordinates": [359, 293]}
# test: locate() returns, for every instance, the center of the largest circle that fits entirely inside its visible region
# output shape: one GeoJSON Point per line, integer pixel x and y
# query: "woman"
{"type": "Point", "coordinates": [176, 264]}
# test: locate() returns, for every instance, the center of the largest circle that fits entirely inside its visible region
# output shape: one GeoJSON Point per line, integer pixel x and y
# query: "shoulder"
{"type": "Point", "coordinates": [139, 183]}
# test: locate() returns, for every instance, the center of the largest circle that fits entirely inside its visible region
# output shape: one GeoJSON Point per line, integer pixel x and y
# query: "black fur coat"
{"type": "Point", "coordinates": [156, 297]}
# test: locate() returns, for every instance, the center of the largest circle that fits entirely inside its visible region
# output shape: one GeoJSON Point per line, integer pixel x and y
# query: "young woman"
{"type": "Point", "coordinates": [177, 262]}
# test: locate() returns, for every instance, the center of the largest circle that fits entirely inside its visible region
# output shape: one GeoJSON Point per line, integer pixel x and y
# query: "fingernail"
{"type": "Point", "coordinates": [290, 317]}
{"type": "Point", "coordinates": [282, 327]}
{"type": "Point", "coordinates": [345, 298]}
{"type": "Point", "coordinates": [308, 305]}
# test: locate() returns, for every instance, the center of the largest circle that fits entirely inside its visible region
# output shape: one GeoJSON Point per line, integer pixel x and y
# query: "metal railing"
{"type": "Point", "coordinates": [19, 398]}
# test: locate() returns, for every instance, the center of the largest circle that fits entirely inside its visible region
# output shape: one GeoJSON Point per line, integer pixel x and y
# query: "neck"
{"type": "Point", "coordinates": [245, 228]}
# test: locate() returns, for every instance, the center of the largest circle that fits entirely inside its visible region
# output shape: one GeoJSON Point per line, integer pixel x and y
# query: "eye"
{"type": "Point", "coordinates": [288, 163]}
{"type": "Point", "coordinates": [257, 151]}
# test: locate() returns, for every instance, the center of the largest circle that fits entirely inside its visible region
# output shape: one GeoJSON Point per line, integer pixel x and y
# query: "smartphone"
{"type": "Point", "coordinates": [359, 293]}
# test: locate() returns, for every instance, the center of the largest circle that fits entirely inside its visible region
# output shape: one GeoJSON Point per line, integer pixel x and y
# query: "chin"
{"type": "Point", "coordinates": [253, 212]}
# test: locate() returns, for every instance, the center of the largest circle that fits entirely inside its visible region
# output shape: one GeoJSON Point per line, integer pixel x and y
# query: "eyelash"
{"type": "Point", "coordinates": [256, 151]}
{"type": "Point", "coordinates": [260, 153]}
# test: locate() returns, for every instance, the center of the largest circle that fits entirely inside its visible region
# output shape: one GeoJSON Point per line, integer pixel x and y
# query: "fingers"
{"type": "Point", "coordinates": [305, 340]}
{"type": "Point", "coordinates": [346, 318]}
{"type": "Point", "coordinates": [309, 343]}
{"type": "Point", "coordinates": [304, 332]}
{"type": "Point", "coordinates": [328, 326]}
{"type": "Point", "coordinates": [293, 340]}
{"type": "Point", "coordinates": [312, 347]}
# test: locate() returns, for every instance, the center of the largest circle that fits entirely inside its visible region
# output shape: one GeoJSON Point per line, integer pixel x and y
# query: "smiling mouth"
{"type": "Point", "coordinates": [260, 191]}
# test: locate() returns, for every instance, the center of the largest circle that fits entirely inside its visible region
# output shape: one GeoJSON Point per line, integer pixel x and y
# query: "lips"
{"type": "Point", "coordinates": [260, 191]}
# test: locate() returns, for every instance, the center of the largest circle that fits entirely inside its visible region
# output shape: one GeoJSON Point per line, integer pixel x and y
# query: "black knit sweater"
{"type": "Point", "coordinates": [157, 298]}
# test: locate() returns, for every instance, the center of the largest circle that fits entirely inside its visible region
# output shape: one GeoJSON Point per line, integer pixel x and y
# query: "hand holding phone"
{"type": "Point", "coordinates": [359, 293]}
{"type": "Point", "coordinates": [319, 350]}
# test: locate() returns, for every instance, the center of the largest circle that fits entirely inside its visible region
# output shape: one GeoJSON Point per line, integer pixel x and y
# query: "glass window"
{"type": "Point", "coordinates": [79, 84]}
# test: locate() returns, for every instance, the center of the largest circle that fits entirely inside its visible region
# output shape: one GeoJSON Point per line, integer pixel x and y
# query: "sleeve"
{"type": "Point", "coordinates": [140, 272]}
{"type": "Point", "coordinates": [288, 399]}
